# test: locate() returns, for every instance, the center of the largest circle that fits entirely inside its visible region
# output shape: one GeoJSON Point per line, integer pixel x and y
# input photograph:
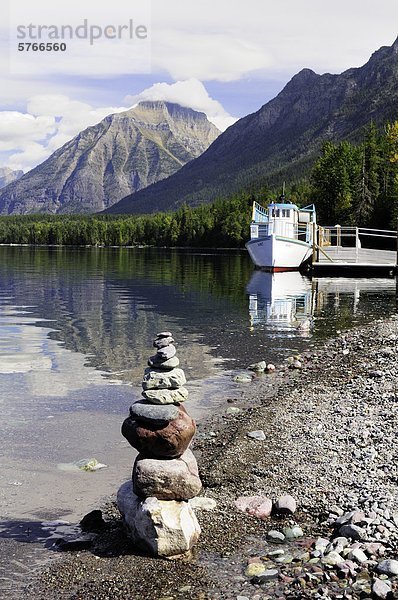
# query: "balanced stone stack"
{"type": "Point", "coordinates": [155, 503]}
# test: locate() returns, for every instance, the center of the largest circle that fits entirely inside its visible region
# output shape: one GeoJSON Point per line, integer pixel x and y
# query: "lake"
{"type": "Point", "coordinates": [76, 330]}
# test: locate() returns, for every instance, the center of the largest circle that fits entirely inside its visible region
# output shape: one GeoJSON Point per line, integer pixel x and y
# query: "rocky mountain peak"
{"type": "Point", "coordinates": [122, 154]}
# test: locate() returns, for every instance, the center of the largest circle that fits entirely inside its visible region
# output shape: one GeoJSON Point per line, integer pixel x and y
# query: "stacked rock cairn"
{"type": "Point", "coordinates": [154, 505]}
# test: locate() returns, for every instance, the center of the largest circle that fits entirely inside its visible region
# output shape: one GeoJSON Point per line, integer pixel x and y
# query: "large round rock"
{"type": "Point", "coordinates": [160, 441]}
{"type": "Point", "coordinates": [174, 479]}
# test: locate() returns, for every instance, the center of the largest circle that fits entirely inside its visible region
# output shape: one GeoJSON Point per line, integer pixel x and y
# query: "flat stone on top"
{"type": "Point", "coordinates": [147, 412]}
{"type": "Point", "coordinates": [164, 334]}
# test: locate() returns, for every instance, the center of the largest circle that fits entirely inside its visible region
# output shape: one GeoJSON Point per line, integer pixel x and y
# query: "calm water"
{"type": "Point", "coordinates": [76, 327]}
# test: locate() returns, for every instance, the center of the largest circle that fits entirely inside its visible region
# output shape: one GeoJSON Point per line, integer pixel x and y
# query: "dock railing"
{"type": "Point", "coordinates": [354, 244]}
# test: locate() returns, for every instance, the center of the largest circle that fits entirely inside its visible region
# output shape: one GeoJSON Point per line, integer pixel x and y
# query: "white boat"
{"type": "Point", "coordinates": [281, 236]}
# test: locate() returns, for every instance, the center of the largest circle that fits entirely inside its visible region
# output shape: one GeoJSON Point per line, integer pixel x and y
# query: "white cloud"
{"type": "Point", "coordinates": [51, 120]}
{"type": "Point", "coordinates": [214, 56]}
{"type": "Point", "coordinates": [18, 128]}
{"type": "Point", "coordinates": [191, 93]}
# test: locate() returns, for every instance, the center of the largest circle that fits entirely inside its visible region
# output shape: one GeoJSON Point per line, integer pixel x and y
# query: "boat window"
{"type": "Point", "coordinates": [278, 212]}
{"type": "Point", "coordinates": [286, 213]}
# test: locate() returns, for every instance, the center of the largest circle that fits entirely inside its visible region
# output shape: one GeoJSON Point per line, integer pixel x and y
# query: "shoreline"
{"type": "Point", "coordinates": [329, 430]}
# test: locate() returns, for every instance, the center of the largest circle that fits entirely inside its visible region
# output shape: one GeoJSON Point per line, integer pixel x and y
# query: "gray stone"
{"type": "Point", "coordinates": [167, 352]}
{"type": "Point", "coordinates": [259, 366]}
{"type": "Point", "coordinates": [164, 334]}
{"type": "Point", "coordinates": [266, 575]}
{"type": "Point", "coordinates": [381, 589]}
{"type": "Point", "coordinates": [162, 527]}
{"type": "Point", "coordinates": [286, 505]}
{"type": "Point", "coordinates": [321, 544]}
{"type": "Point", "coordinates": [155, 379]}
{"type": "Point", "coordinates": [167, 365]}
{"type": "Point", "coordinates": [202, 503]}
{"type": "Point", "coordinates": [352, 531]}
{"type": "Point", "coordinates": [276, 537]}
{"type": "Point", "coordinates": [358, 555]}
{"type": "Point", "coordinates": [162, 342]}
{"type": "Point", "coordinates": [355, 517]}
{"type": "Point", "coordinates": [166, 396]}
{"type": "Point", "coordinates": [257, 435]}
{"type": "Point", "coordinates": [388, 567]}
{"type": "Point", "coordinates": [333, 558]}
{"type": "Point", "coordinates": [243, 378]}
{"type": "Point", "coordinates": [149, 413]}
{"type": "Point", "coordinates": [293, 533]}
{"type": "Point", "coordinates": [176, 479]}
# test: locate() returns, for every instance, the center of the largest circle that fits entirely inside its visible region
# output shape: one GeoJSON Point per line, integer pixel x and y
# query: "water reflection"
{"type": "Point", "coordinates": [282, 300]}
{"type": "Point", "coordinates": [293, 303]}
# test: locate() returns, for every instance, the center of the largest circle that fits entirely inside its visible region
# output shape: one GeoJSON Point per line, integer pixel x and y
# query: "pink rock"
{"type": "Point", "coordinates": [257, 506]}
{"type": "Point", "coordinates": [286, 505]}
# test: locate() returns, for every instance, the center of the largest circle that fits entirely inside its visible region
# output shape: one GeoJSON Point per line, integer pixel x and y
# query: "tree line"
{"type": "Point", "coordinates": [350, 184]}
{"type": "Point", "coordinates": [222, 224]}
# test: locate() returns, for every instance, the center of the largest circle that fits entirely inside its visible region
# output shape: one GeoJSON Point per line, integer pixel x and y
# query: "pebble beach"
{"type": "Point", "coordinates": [327, 423]}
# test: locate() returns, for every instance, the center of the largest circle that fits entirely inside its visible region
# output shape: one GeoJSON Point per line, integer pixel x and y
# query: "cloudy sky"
{"type": "Point", "coordinates": [224, 57]}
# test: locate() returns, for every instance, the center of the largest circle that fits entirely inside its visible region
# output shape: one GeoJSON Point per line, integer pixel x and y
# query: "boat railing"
{"type": "Point", "coordinates": [259, 214]}
{"type": "Point", "coordinates": [286, 229]}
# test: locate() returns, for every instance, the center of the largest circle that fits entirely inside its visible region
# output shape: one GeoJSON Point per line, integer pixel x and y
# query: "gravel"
{"type": "Point", "coordinates": [330, 441]}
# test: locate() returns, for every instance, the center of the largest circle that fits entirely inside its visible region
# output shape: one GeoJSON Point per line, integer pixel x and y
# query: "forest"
{"type": "Point", "coordinates": [350, 184]}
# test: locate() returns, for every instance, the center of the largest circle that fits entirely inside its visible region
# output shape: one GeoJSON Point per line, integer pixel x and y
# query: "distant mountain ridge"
{"type": "Point", "coordinates": [122, 154]}
{"type": "Point", "coordinates": [7, 176]}
{"type": "Point", "coordinates": [281, 140]}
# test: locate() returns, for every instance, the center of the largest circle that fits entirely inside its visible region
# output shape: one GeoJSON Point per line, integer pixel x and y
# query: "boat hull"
{"type": "Point", "coordinates": [275, 253]}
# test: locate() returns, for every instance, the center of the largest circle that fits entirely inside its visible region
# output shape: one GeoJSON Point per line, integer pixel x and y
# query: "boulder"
{"type": "Point", "coordinates": [162, 527]}
{"type": "Point", "coordinates": [160, 441]}
{"type": "Point", "coordinates": [176, 479]}
{"type": "Point", "coordinates": [166, 396]}
{"type": "Point", "coordinates": [155, 379]}
{"type": "Point", "coordinates": [146, 412]}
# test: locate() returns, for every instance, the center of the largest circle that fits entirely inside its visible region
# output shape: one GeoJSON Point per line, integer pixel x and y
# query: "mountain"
{"type": "Point", "coordinates": [122, 154]}
{"type": "Point", "coordinates": [282, 139]}
{"type": "Point", "coordinates": [8, 176]}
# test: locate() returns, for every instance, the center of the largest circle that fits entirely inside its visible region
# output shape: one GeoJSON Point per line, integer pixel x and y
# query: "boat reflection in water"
{"type": "Point", "coordinates": [280, 300]}
{"type": "Point", "coordinates": [291, 301]}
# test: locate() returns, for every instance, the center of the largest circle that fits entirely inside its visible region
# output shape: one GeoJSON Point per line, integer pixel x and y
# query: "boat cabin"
{"type": "Point", "coordinates": [283, 219]}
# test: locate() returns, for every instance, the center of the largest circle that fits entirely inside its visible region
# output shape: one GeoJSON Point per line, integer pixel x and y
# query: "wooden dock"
{"type": "Point", "coordinates": [337, 260]}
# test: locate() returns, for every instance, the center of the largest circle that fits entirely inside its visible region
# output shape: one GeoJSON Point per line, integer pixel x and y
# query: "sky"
{"type": "Point", "coordinates": [224, 57]}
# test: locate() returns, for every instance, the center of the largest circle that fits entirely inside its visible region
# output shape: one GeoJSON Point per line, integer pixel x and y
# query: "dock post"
{"type": "Point", "coordinates": [313, 243]}
{"type": "Point", "coordinates": [356, 242]}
